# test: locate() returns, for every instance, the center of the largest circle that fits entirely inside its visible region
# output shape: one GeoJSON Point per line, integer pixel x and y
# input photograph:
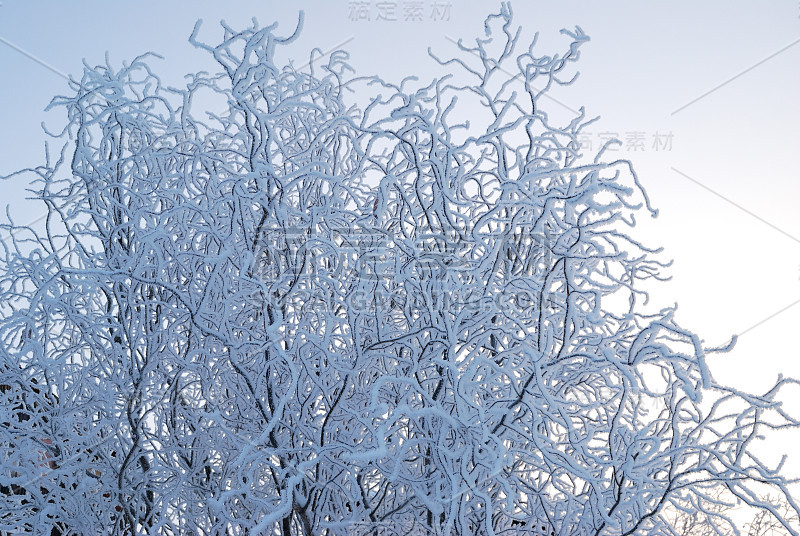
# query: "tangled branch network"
{"type": "Point", "coordinates": [306, 316]}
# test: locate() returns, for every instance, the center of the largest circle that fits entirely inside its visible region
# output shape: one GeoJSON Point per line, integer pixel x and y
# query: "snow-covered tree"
{"type": "Point", "coordinates": [350, 306]}
{"type": "Point", "coordinates": [719, 514]}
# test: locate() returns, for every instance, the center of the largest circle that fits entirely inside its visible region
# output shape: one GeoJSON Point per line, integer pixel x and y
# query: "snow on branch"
{"type": "Point", "coordinates": [417, 314]}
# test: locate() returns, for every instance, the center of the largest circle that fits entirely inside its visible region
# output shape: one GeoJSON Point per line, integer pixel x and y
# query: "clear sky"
{"type": "Point", "coordinates": [704, 96]}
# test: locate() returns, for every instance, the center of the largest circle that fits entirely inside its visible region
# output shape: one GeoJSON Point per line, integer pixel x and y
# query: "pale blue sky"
{"type": "Point", "coordinates": [645, 61]}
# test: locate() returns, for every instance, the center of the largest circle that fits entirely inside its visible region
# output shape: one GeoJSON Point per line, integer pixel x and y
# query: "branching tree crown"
{"type": "Point", "coordinates": [301, 315]}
